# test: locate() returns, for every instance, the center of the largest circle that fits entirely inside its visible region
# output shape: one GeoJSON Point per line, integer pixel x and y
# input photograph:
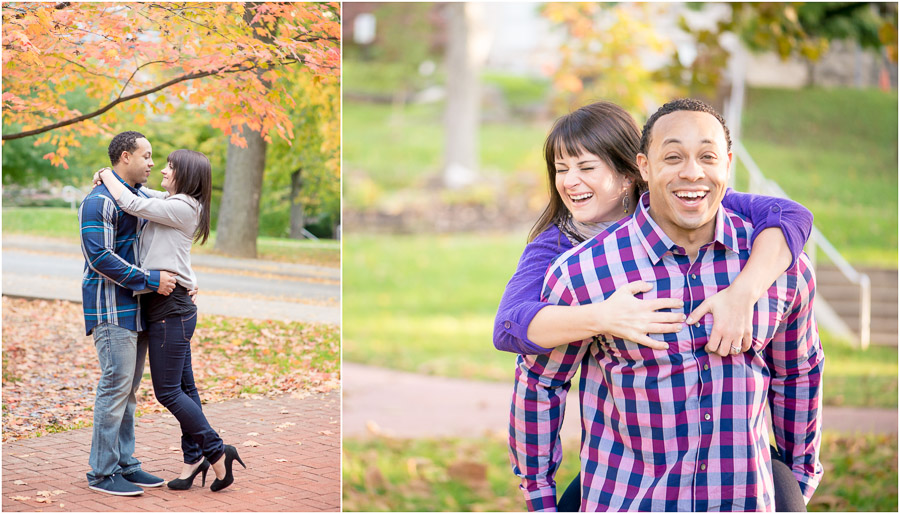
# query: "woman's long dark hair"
{"type": "Point", "coordinates": [193, 177]}
{"type": "Point", "coordinates": [603, 129]}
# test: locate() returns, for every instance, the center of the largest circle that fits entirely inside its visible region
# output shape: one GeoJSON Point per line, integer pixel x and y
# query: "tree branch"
{"type": "Point", "coordinates": [117, 101]}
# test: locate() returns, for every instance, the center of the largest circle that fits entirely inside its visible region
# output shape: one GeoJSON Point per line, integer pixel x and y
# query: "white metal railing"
{"type": "Point", "coordinates": [734, 107]}
{"type": "Point", "coordinates": [817, 241]}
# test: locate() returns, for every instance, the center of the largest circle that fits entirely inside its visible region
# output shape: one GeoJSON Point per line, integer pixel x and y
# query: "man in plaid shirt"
{"type": "Point", "coordinates": [112, 314]}
{"type": "Point", "coordinates": [681, 429]}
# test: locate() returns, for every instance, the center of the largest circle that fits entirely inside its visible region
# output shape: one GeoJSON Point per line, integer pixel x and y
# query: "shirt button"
{"type": "Point", "coordinates": [775, 208]}
{"type": "Point", "coordinates": [697, 324]}
{"type": "Point", "coordinates": [703, 467]}
{"type": "Point", "coordinates": [693, 276]}
{"type": "Point", "coordinates": [706, 417]}
{"type": "Point", "coordinates": [506, 325]}
{"type": "Point", "coordinates": [706, 367]}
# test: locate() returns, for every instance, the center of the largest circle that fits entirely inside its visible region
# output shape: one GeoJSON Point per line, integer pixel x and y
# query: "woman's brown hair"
{"type": "Point", "coordinates": [193, 177]}
{"type": "Point", "coordinates": [601, 128]}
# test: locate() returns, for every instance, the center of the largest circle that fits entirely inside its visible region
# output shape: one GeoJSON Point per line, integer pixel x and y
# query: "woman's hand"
{"type": "Point", "coordinates": [96, 181]}
{"type": "Point", "coordinates": [630, 318]}
{"type": "Point", "coordinates": [732, 330]}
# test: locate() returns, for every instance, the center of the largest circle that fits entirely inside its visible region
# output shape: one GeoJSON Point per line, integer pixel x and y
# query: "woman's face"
{"type": "Point", "coordinates": [168, 181]}
{"type": "Point", "coordinates": [590, 188]}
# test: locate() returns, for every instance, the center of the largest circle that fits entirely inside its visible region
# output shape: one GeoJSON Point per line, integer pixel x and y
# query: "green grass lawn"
{"type": "Point", "coordinates": [401, 148]}
{"type": "Point", "coordinates": [475, 475]}
{"type": "Point", "coordinates": [835, 151]}
{"type": "Point", "coordinates": [62, 223]}
{"type": "Point", "coordinates": [426, 304]}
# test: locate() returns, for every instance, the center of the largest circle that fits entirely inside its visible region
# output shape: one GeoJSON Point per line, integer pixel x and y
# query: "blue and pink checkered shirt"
{"type": "Point", "coordinates": [677, 429]}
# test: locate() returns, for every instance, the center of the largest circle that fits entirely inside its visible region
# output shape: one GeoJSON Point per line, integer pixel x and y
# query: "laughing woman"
{"type": "Point", "coordinates": [176, 218]}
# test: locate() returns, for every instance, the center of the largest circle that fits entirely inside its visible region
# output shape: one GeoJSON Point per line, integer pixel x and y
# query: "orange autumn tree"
{"type": "Point", "coordinates": [134, 60]}
{"type": "Point", "coordinates": [131, 58]}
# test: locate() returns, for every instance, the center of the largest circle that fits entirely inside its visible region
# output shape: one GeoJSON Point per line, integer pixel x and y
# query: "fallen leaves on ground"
{"type": "Point", "coordinates": [50, 368]}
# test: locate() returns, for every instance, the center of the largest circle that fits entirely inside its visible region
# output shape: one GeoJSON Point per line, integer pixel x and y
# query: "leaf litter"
{"type": "Point", "coordinates": [50, 368]}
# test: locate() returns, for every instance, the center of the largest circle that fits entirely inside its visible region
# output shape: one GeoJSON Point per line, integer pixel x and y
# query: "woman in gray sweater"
{"type": "Point", "coordinates": [176, 218]}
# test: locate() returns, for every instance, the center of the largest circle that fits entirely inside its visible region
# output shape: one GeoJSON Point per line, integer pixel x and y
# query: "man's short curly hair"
{"type": "Point", "coordinates": [682, 104]}
{"type": "Point", "coordinates": [124, 142]}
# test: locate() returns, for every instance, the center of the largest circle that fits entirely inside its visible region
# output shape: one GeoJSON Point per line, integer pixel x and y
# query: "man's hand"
{"type": "Point", "coordinates": [630, 318]}
{"type": "Point", "coordinates": [166, 283]}
{"type": "Point", "coordinates": [732, 330]}
{"type": "Point", "coordinates": [193, 294]}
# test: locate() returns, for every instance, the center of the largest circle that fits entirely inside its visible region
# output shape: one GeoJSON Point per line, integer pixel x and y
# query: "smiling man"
{"type": "Point", "coordinates": [112, 314]}
{"type": "Point", "coordinates": [680, 429]}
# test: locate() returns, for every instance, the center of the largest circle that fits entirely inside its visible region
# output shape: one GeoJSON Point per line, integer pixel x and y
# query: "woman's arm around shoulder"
{"type": "Point", "coordinates": [176, 211]}
{"type": "Point", "coordinates": [794, 220]}
{"type": "Point", "coordinates": [521, 298]}
{"type": "Point", "coordinates": [528, 326]}
{"type": "Point", "coordinates": [780, 230]}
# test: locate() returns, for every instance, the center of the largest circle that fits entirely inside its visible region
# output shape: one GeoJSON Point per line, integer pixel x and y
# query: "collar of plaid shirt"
{"type": "Point", "coordinates": [656, 242]}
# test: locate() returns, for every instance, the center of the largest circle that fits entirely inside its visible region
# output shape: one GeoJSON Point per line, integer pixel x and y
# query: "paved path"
{"type": "Point", "coordinates": [400, 404]}
{"type": "Point", "coordinates": [296, 466]}
{"type": "Point", "coordinates": [52, 268]}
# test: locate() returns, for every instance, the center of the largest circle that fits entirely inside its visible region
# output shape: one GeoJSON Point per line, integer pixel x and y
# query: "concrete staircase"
{"type": "Point", "coordinates": [844, 299]}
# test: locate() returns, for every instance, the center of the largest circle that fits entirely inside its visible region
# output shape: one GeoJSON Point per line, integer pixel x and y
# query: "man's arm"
{"type": "Point", "coordinates": [796, 360]}
{"type": "Point", "coordinates": [538, 405]}
{"type": "Point", "coordinates": [98, 235]}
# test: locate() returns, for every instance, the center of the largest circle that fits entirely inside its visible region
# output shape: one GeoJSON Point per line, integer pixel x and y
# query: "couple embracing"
{"type": "Point", "coordinates": [137, 290]}
{"type": "Point", "coordinates": [640, 273]}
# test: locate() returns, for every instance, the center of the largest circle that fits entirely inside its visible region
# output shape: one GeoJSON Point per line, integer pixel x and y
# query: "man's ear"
{"type": "Point", "coordinates": [643, 163]}
{"type": "Point", "coordinates": [730, 160]}
{"type": "Point", "coordinates": [125, 157]}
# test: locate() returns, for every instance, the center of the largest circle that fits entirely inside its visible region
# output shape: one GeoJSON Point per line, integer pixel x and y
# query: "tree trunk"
{"type": "Point", "coordinates": [297, 219]}
{"type": "Point", "coordinates": [463, 95]}
{"type": "Point", "coordinates": [238, 224]}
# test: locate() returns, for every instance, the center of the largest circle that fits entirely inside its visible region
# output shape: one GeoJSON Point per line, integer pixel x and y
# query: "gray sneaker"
{"type": "Point", "coordinates": [144, 479]}
{"type": "Point", "coordinates": [115, 484]}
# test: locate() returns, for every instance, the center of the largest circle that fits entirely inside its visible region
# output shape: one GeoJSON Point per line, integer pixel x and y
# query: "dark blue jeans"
{"type": "Point", "coordinates": [173, 384]}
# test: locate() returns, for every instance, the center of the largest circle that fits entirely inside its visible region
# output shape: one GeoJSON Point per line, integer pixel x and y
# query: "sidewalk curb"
{"type": "Point", "coordinates": [287, 269]}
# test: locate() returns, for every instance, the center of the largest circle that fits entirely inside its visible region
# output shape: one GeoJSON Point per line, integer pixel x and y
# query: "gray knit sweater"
{"type": "Point", "coordinates": [165, 242]}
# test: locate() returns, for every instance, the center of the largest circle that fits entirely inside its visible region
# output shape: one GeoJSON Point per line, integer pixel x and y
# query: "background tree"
{"type": "Point", "coordinates": [306, 183]}
{"type": "Point", "coordinates": [603, 56]}
{"type": "Point", "coordinates": [464, 58]}
{"type": "Point", "coordinates": [607, 46]}
{"type": "Point", "coordinates": [804, 30]}
{"type": "Point", "coordinates": [134, 61]}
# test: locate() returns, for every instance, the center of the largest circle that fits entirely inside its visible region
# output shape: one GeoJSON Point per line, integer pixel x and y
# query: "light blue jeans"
{"type": "Point", "coordinates": [121, 353]}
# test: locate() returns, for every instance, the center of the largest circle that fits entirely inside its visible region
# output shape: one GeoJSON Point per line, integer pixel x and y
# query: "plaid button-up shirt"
{"type": "Point", "coordinates": [109, 242]}
{"type": "Point", "coordinates": [678, 429]}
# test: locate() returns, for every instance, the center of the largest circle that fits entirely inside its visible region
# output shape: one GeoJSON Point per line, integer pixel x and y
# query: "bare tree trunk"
{"type": "Point", "coordinates": [238, 224]}
{"type": "Point", "coordinates": [297, 218]}
{"type": "Point", "coordinates": [463, 97]}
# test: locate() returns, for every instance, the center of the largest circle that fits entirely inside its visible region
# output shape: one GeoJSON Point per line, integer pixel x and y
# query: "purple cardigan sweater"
{"type": "Point", "coordinates": [521, 299]}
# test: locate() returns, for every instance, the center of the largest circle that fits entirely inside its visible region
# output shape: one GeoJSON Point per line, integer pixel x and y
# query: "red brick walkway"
{"type": "Point", "coordinates": [296, 466]}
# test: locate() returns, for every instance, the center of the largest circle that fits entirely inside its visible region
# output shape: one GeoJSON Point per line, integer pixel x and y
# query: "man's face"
{"type": "Point", "coordinates": [138, 164]}
{"type": "Point", "coordinates": [686, 169]}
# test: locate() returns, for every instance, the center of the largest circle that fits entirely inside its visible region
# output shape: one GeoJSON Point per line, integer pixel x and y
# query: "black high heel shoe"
{"type": "Point", "coordinates": [183, 484]}
{"type": "Point", "coordinates": [231, 455]}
